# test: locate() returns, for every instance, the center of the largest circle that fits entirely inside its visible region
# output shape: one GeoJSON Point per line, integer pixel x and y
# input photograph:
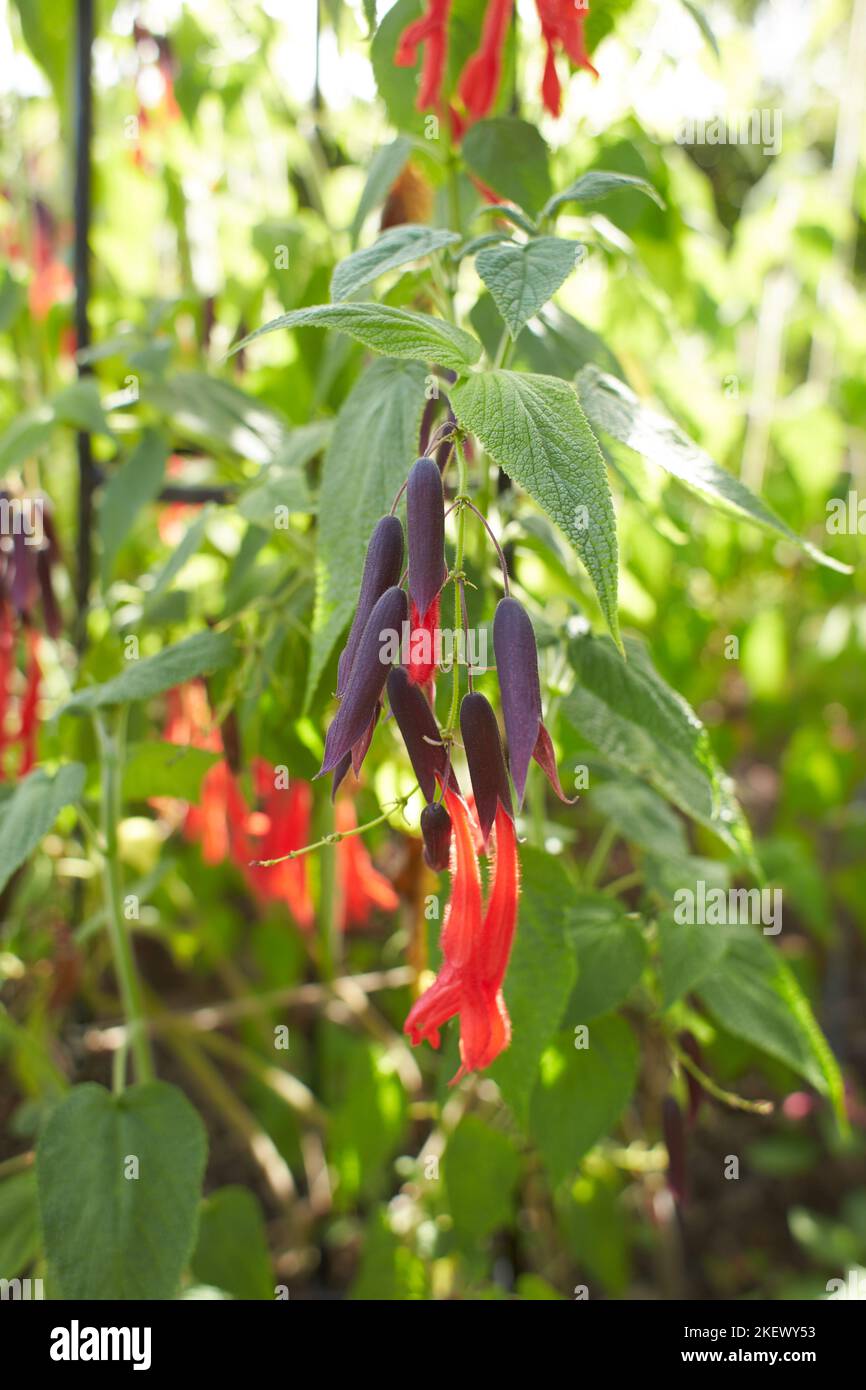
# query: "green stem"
{"type": "Point", "coordinates": [333, 837]}
{"type": "Point", "coordinates": [329, 896]}
{"type": "Point", "coordinates": [599, 855]}
{"type": "Point", "coordinates": [111, 754]}
{"type": "Point", "coordinates": [729, 1098]}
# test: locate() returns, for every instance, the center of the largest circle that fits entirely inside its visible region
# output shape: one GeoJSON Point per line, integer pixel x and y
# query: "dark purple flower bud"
{"type": "Point", "coordinates": [486, 761]}
{"type": "Point", "coordinates": [339, 773]}
{"type": "Point", "coordinates": [436, 830]}
{"type": "Point", "coordinates": [689, 1044]}
{"type": "Point", "coordinates": [417, 723]}
{"type": "Point", "coordinates": [24, 582]}
{"type": "Point", "coordinates": [517, 669]}
{"type": "Point", "coordinates": [53, 620]}
{"type": "Point", "coordinates": [675, 1142]}
{"type": "Point", "coordinates": [357, 753]}
{"type": "Point", "coordinates": [425, 519]}
{"type": "Point", "coordinates": [361, 748]}
{"type": "Point", "coordinates": [366, 680]}
{"type": "Point", "coordinates": [382, 569]}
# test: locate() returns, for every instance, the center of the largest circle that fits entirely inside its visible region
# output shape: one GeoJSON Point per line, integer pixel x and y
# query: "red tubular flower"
{"type": "Point", "coordinates": [562, 23]}
{"type": "Point", "coordinates": [480, 78]}
{"type": "Point", "coordinates": [462, 925]}
{"type": "Point", "coordinates": [476, 949]}
{"type": "Point", "coordinates": [421, 666]}
{"type": "Point", "coordinates": [30, 704]}
{"type": "Point", "coordinates": [431, 31]}
{"type": "Point", "coordinates": [364, 888]}
{"type": "Point", "coordinates": [460, 930]}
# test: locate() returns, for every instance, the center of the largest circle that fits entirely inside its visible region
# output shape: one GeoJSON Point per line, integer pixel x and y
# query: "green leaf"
{"type": "Point", "coordinates": [688, 953]}
{"type": "Point", "coordinates": [219, 415]}
{"type": "Point", "coordinates": [282, 483]}
{"type": "Point", "coordinates": [596, 1227]}
{"type": "Point", "coordinates": [397, 86]}
{"type": "Point", "coordinates": [611, 954]}
{"type": "Point", "coordinates": [76, 406]}
{"type": "Point", "coordinates": [184, 550]}
{"type": "Point", "coordinates": [136, 483]}
{"type": "Point", "coordinates": [374, 442]}
{"type": "Point", "coordinates": [119, 1235]}
{"type": "Point", "coordinates": [30, 812]}
{"type": "Point", "coordinates": [48, 29]}
{"type": "Point", "coordinates": [755, 995]}
{"type": "Point", "coordinates": [644, 727]}
{"type": "Point", "coordinates": [232, 1249]}
{"type": "Point", "coordinates": [20, 1236]}
{"type": "Point", "coordinates": [386, 329]}
{"type": "Point", "coordinates": [26, 435]}
{"type": "Point", "coordinates": [553, 344]}
{"type": "Point", "coordinates": [523, 278]}
{"type": "Point", "coordinates": [390, 1272]}
{"type": "Point", "coordinates": [641, 816]}
{"type": "Point", "coordinates": [481, 1168]}
{"type": "Point", "coordinates": [616, 410]}
{"type": "Point", "coordinates": [540, 975]}
{"type": "Point", "coordinates": [667, 874]}
{"type": "Point", "coordinates": [503, 212]}
{"type": "Point", "coordinates": [704, 25]}
{"type": "Point", "coordinates": [398, 246]}
{"type": "Point", "coordinates": [596, 185]}
{"type": "Point", "coordinates": [582, 1092]}
{"type": "Point", "coordinates": [366, 1105]}
{"type": "Point", "coordinates": [198, 655]}
{"type": "Point", "coordinates": [534, 428]}
{"type": "Point", "coordinates": [165, 769]}
{"type": "Point", "coordinates": [510, 157]}
{"type": "Point", "coordinates": [531, 1287]}
{"type": "Point", "coordinates": [79, 405]}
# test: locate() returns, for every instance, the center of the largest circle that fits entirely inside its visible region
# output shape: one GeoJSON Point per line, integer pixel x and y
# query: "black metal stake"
{"type": "Point", "coordinates": [83, 134]}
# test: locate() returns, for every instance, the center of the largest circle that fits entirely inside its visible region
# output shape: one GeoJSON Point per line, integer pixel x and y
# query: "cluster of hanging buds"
{"type": "Point", "coordinates": [476, 937]}
{"type": "Point", "coordinates": [28, 552]}
{"type": "Point", "coordinates": [562, 28]}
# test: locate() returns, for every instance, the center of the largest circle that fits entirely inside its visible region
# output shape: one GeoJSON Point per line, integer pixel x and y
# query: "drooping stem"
{"type": "Point", "coordinates": [87, 476]}
{"type": "Point", "coordinates": [329, 895]}
{"type": "Point", "coordinates": [333, 837]}
{"type": "Point", "coordinates": [111, 740]}
{"type": "Point", "coordinates": [729, 1098]}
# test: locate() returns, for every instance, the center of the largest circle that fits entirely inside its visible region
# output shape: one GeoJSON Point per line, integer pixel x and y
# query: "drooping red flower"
{"type": "Point", "coordinates": [431, 32]}
{"type": "Point", "coordinates": [364, 889]}
{"type": "Point", "coordinates": [475, 947]}
{"type": "Point", "coordinates": [562, 23]}
{"type": "Point", "coordinates": [30, 705]}
{"type": "Point", "coordinates": [562, 27]}
{"type": "Point", "coordinates": [421, 664]}
{"type": "Point", "coordinates": [479, 81]}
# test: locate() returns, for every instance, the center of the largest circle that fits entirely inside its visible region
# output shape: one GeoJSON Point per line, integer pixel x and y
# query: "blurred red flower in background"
{"type": "Point", "coordinates": [227, 828]}
{"type": "Point", "coordinates": [562, 26]}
